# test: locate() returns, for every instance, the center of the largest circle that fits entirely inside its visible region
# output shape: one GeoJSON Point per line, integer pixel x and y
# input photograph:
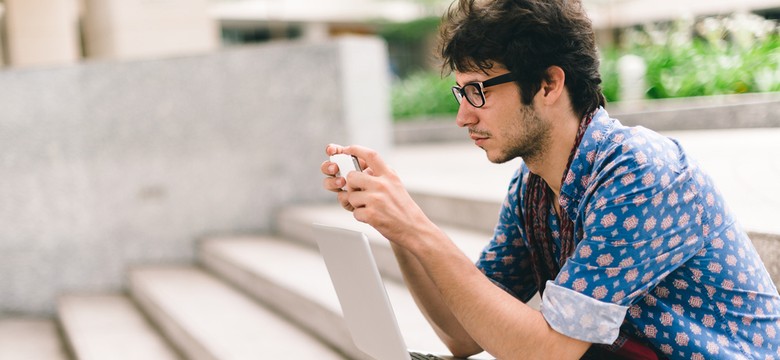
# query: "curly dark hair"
{"type": "Point", "coordinates": [527, 37]}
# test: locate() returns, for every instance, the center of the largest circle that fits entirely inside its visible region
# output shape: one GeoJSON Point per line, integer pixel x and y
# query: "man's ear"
{"type": "Point", "coordinates": [553, 84]}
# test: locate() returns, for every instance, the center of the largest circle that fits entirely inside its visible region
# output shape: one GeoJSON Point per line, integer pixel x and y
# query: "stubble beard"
{"type": "Point", "coordinates": [528, 137]}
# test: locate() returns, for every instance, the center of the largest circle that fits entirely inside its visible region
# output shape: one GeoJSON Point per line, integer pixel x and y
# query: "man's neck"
{"type": "Point", "coordinates": [552, 162]}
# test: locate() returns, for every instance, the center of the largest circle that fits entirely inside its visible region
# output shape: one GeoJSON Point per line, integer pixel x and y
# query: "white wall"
{"type": "Point", "coordinates": [124, 29]}
{"type": "Point", "coordinates": [42, 32]}
{"type": "Point", "coordinates": [2, 34]}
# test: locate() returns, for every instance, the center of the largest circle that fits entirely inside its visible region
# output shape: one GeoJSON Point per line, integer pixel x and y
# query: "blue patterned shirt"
{"type": "Point", "coordinates": [660, 255]}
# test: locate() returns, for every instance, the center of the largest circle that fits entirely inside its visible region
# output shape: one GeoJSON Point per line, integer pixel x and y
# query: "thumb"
{"type": "Point", "coordinates": [371, 157]}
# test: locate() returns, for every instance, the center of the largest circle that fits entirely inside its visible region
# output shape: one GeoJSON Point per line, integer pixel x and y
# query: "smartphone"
{"type": "Point", "coordinates": [346, 164]}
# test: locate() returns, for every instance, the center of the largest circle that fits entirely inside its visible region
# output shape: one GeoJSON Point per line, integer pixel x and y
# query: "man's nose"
{"type": "Point", "coordinates": [466, 115]}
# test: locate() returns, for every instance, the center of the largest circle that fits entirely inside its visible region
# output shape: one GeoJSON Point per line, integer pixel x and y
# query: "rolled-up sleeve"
{"type": "Point", "coordinates": [581, 317]}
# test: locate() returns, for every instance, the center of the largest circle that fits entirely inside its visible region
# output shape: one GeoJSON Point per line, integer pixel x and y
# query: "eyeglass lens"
{"type": "Point", "coordinates": [472, 92]}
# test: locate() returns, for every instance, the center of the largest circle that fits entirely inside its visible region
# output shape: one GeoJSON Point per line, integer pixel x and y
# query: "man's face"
{"type": "Point", "coordinates": [503, 126]}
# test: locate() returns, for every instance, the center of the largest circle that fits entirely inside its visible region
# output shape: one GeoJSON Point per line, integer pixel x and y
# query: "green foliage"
{"type": "Point", "coordinates": [734, 55]}
{"type": "Point", "coordinates": [412, 31]}
{"type": "Point", "coordinates": [700, 69]}
{"type": "Point", "coordinates": [410, 44]}
{"type": "Point", "coordinates": [609, 75]}
{"type": "Point", "coordinates": [423, 93]}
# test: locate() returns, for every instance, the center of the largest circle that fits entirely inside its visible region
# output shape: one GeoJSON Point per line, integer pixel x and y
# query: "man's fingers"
{"type": "Point", "coordinates": [370, 157]}
{"type": "Point", "coordinates": [333, 149]}
{"type": "Point", "coordinates": [333, 183]}
{"type": "Point", "coordinates": [344, 201]}
{"type": "Point", "coordinates": [329, 168]}
{"type": "Point", "coordinates": [358, 181]}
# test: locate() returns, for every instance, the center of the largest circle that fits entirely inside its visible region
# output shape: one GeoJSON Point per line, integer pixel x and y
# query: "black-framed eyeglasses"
{"type": "Point", "coordinates": [473, 92]}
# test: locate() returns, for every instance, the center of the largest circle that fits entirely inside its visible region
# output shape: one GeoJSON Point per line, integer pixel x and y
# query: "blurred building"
{"type": "Point", "coordinates": [50, 32]}
{"type": "Point", "coordinates": [615, 14]}
{"type": "Point", "coordinates": [121, 29]}
{"type": "Point", "coordinates": [2, 26]}
{"type": "Point", "coordinates": [55, 32]}
{"type": "Point", "coordinates": [41, 32]}
{"type": "Point", "coordinates": [263, 20]}
{"type": "Point", "coordinates": [611, 16]}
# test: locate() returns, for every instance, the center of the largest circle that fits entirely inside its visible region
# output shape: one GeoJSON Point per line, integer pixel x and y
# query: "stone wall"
{"type": "Point", "coordinates": [696, 113]}
{"type": "Point", "coordinates": [108, 164]}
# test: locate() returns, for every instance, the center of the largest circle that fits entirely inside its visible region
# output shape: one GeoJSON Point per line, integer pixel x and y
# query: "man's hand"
{"type": "Point", "coordinates": [376, 196]}
{"type": "Point", "coordinates": [333, 183]}
{"type": "Point", "coordinates": [468, 311]}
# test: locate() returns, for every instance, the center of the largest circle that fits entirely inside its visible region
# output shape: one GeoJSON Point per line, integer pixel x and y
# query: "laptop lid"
{"type": "Point", "coordinates": [361, 292]}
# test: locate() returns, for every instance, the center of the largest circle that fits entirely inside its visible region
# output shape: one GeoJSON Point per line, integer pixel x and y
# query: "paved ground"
{"type": "Point", "coordinates": [745, 163]}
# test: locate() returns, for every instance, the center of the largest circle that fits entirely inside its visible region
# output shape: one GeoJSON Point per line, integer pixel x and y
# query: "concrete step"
{"type": "Point", "coordinates": [207, 319]}
{"type": "Point", "coordinates": [454, 183]}
{"type": "Point", "coordinates": [293, 280]}
{"type": "Point", "coordinates": [477, 214]}
{"type": "Point", "coordinates": [295, 223]}
{"type": "Point", "coordinates": [110, 327]}
{"type": "Point", "coordinates": [30, 339]}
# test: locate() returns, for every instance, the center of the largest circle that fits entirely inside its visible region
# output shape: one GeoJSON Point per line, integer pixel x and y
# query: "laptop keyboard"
{"type": "Point", "coordinates": [419, 356]}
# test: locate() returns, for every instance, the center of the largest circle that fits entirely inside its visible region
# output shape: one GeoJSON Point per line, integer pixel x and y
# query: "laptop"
{"type": "Point", "coordinates": [367, 310]}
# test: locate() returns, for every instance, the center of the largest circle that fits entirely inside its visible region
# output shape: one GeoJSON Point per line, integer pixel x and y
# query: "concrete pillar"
{"type": "Point", "coordinates": [121, 29]}
{"type": "Point", "coordinates": [365, 73]}
{"type": "Point", "coordinates": [41, 32]}
{"type": "Point", "coordinates": [316, 32]}
{"type": "Point", "coordinates": [2, 35]}
{"type": "Point", "coordinates": [631, 73]}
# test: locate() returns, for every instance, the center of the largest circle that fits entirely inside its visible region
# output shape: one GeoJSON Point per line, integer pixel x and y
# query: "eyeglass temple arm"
{"type": "Point", "coordinates": [498, 80]}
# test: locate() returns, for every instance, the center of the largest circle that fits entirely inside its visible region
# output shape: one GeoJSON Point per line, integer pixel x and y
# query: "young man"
{"type": "Point", "coordinates": [632, 247]}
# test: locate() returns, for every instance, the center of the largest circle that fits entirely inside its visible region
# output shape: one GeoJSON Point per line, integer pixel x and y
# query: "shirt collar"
{"type": "Point", "coordinates": [579, 173]}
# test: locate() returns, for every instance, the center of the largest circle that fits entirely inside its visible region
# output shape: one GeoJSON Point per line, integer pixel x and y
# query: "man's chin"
{"type": "Point", "coordinates": [497, 158]}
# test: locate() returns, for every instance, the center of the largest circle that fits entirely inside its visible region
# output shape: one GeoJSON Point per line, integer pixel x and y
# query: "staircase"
{"type": "Point", "coordinates": [269, 296]}
{"type": "Point", "coordinates": [247, 297]}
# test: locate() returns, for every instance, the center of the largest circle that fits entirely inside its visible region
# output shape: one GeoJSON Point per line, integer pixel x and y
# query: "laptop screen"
{"type": "Point", "coordinates": [364, 302]}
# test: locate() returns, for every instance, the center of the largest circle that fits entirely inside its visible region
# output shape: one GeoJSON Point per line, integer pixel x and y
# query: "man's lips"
{"type": "Point", "coordinates": [476, 135]}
